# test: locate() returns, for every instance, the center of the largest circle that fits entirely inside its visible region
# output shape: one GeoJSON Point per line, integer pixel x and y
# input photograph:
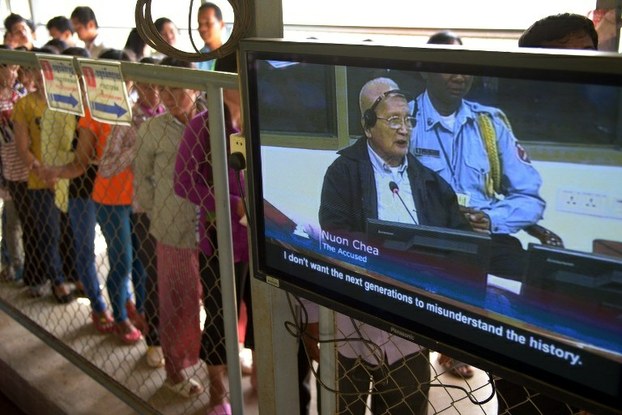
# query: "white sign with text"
{"type": "Point", "coordinates": [106, 92]}
{"type": "Point", "coordinates": [60, 80]}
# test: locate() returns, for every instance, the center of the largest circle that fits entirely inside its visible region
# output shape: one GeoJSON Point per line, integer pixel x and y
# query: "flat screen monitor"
{"type": "Point", "coordinates": [584, 277]}
{"type": "Point", "coordinates": [301, 105]}
{"type": "Point", "coordinates": [445, 252]}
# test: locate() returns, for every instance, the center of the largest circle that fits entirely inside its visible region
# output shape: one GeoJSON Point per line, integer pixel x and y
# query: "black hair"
{"type": "Point", "coordinates": [159, 23]}
{"type": "Point", "coordinates": [135, 44]}
{"type": "Point", "coordinates": [149, 59]}
{"type": "Point", "coordinates": [217, 11]}
{"type": "Point", "coordinates": [60, 23]}
{"type": "Point", "coordinates": [169, 61]}
{"type": "Point", "coordinates": [46, 49]}
{"type": "Point", "coordinates": [76, 51]}
{"type": "Point", "coordinates": [58, 44]}
{"type": "Point", "coordinates": [84, 15]}
{"type": "Point", "coordinates": [556, 27]}
{"type": "Point", "coordinates": [15, 18]}
{"type": "Point", "coordinates": [444, 37]}
{"type": "Point", "coordinates": [116, 54]}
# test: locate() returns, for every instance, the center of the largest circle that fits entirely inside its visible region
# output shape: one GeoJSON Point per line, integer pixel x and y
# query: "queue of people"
{"type": "Point", "coordinates": [114, 176]}
{"type": "Point", "coordinates": [82, 29]}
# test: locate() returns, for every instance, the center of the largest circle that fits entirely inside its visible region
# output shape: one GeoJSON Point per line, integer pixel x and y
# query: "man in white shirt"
{"type": "Point", "coordinates": [211, 27]}
{"type": "Point", "coordinates": [361, 184]}
{"type": "Point", "coordinates": [85, 25]}
{"type": "Point", "coordinates": [61, 28]}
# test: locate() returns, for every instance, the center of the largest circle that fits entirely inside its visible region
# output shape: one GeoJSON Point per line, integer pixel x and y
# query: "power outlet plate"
{"type": "Point", "coordinates": [616, 207]}
{"type": "Point", "coordinates": [237, 144]}
{"type": "Point", "coordinates": [583, 202]}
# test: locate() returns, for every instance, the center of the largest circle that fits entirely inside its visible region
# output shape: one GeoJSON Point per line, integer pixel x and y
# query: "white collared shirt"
{"type": "Point", "coordinates": [390, 207]}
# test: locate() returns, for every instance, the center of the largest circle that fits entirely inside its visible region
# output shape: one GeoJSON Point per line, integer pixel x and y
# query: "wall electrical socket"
{"type": "Point", "coordinates": [616, 207]}
{"type": "Point", "coordinates": [237, 144]}
{"type": "Point", "coordinates": [583, 202]}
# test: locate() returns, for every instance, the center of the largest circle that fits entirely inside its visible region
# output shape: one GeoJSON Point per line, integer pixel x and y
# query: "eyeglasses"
{"type": "Point", "coordinates": [396, 122]}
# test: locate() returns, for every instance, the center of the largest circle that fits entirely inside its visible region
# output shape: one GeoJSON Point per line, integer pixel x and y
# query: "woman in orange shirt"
{"type": "Point", "coordinates": [113, 199]}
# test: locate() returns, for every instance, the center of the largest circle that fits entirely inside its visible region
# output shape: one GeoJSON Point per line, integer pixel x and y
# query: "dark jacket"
{"type": "Point", "coordinates": [349, 193]}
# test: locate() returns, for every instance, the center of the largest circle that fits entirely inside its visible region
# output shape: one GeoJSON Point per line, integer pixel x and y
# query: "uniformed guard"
{"type": "Point", "coordinates": [473, 148]}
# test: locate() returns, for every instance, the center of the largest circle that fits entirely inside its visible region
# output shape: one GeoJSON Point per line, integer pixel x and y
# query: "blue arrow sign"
{"type": "Point", "coordinates": [65, 99]}
{"type": "Point", "coordinates": [110, 109]}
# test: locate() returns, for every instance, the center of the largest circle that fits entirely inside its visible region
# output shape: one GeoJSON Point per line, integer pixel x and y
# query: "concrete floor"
{"type": "Point", "coordinates": [41, 381]}
{"type": "Point", "coordinates": [62, 386]}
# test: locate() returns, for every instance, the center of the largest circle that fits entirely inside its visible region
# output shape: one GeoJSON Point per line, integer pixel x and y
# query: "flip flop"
{"type": "Point", "coordinates": [187, 388]}
{"type": "Point", "coordinates": [155, 357]}
{"type": "Point", "coordinates": [221, 409]}
{"type": "Point", "coordinates": [456, 368]}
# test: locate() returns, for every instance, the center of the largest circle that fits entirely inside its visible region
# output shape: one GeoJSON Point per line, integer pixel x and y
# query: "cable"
{"type": "Point", "coordinates": [237, 161]}
{"type": "Point", "coordinates": [240, 186]}
{"type": "Point", "coordinates": [194, 46]}
{"type": "Point", "coordinates": [149, 33]}
{"type": "Point", "coordinates": [297, 328]}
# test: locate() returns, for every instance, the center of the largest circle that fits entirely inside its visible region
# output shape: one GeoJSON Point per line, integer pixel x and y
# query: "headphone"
{"type": "Point", "coordinates": [369, 116]}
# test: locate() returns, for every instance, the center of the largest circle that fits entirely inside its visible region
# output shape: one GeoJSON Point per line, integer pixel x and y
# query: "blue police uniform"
{"type": "Point", "coordinates": [206, 65]}
{"type": "Point", "coordinates": [460, 157]}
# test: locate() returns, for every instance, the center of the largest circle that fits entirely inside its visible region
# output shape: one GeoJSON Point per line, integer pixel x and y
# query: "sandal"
{"type": "Point", "coordinates": [187, 388]}
{"type": "Point", "coordinates": [130, 308]}
{"type": "Point", "coordinates": [221, 409]}
{"type": "Point", "coordinates": [79, 290]}
{"type": "Point", "coordinates": [455, 367]}
{"type": "Point", "coordinates": [155, 356]}
{"type": "Point", "coordinates": [104, 323]}
{"type": "Point", "coordinates": [138, 319]}
{"type": "Point", "coordinates": [128, 335]}
{"type": "Point", "coordinates": [36, 291]}
{"type": "Point", "coordinates": [62, 293]}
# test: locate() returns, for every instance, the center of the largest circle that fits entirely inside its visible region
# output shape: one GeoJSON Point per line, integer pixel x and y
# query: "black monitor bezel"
{"type": "Point", "coordinates": [569, 66]}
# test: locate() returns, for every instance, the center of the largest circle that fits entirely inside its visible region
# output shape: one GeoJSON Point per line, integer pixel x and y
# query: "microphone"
{"type": "Point", "coordinates": [396, 190]}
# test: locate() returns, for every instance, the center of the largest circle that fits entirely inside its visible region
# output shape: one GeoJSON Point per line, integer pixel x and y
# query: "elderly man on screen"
{"type": "Point", "coordinates": [360, 184]}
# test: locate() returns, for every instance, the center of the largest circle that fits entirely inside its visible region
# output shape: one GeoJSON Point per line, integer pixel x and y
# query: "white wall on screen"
{"type": "Point", "coordinates": [576, 229]}
{"type": "Point", "coordinates": [293, 181]}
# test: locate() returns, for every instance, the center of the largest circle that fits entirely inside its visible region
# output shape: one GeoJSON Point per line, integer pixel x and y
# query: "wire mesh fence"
{"type": "Point", "coordinates": [110, 245]}
{"type": "Point", "coordinates": [108, 248]}
{"type": "Point", "coordinates": [379, 373]}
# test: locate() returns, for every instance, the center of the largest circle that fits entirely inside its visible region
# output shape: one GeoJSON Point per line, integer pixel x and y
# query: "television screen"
{"type": "Point", "coordinates": [427, 259]}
